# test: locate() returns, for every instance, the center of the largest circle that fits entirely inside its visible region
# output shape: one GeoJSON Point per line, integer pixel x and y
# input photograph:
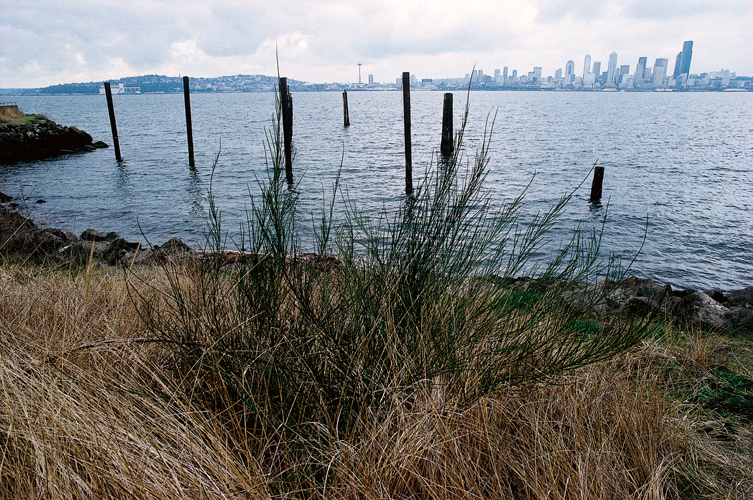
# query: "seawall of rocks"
{"type": "Point", "coordinates": [42, 138]}
{"type": "Point", "coordinates": [702, 309]}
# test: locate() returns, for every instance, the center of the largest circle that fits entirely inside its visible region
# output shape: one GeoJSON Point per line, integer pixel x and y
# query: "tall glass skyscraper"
{"type": "Point", "coordinates": [640, 70]}
{"type": "Point", "coordinates": [687, 54]}
{"type": "Point", "coordinates": [678, 65]}
{"type": "Point", "coordinates": [612, 70]}
{"type": "Point", "coordinates": [587, 66]}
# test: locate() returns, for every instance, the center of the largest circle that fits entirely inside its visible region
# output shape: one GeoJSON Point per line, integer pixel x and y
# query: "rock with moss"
{"type": "Point", "coordinates": [42, 138]}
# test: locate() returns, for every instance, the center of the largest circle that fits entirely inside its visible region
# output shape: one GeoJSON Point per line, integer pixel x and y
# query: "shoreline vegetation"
{"type": "Point", "coordinates": [405, 358]}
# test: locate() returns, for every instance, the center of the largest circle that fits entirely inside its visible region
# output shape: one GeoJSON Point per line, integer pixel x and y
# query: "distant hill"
{"type": "Point", "coordinates": [168, 84]}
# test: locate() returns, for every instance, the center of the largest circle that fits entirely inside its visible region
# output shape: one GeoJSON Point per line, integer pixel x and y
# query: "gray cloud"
{"type": "Point", "coordinates": [57, 41]}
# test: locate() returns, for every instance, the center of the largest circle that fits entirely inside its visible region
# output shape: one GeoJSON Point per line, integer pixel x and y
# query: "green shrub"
{"type": "Point", "coordinates": [392, 306]}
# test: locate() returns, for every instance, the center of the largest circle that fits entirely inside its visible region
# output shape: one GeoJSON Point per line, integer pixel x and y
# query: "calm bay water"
{"type": "Point", "coordinates": [682, 161]}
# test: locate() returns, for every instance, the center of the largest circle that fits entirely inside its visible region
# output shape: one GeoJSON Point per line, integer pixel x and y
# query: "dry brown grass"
{"type": "Point", "coordinates": [86, 423]}
{"type": "Point", "coordinates": [87, 414]}
{"type": "Point", "coordinates": [10, 115]}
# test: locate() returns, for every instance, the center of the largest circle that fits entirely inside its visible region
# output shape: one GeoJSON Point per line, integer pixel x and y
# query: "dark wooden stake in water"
{"type": "Point", "coordinates": [596, 184]}
{"type": "Point", "coordinates": [406, 119]}
{"type": "Point", "coordinates": [447, 146]}
{"type": "Point", "coordinates": [346, 116]}
{"type": "Point", "coordinates": [286, 101]}
{"type": "Point", "coordinates": [189, 131]}
{"type": "Point", "coordinates": [114, 127]}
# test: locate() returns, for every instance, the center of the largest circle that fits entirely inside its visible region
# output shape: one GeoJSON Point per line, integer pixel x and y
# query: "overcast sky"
{"type": "Point", "coordinates": [46, 42]}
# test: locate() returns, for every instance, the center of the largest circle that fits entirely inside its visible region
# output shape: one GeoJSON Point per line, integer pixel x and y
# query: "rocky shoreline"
{"type": "Point", "coordinates": [715, 310]}
{"type": "Point", "coordinates": [42, 138]}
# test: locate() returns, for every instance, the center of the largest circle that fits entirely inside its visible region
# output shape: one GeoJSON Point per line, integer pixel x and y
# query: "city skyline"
{"type": "Point", "coordinates": [643, 77]}
{"type": "Point", "coordinates": [323, 40]}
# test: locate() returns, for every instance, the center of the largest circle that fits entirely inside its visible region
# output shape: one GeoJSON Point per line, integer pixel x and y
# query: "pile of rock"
{"type": "Point", "coordinates": [113, 250]}
{"type": "Point", "coordinates": [712, 310]}
{"type": "Point", "coordinates": [707, 310]}
{"type": "Point", "coordinates": [42, 138]}
{"type": "Point", "coordinates": [21, 237]}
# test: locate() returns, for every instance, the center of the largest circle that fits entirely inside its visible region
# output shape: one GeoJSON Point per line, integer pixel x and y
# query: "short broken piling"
{"type": "Point", "coordinates": [596, 184]}
{"type": "Point", "coordinates": [446, 148]}
{"type": "Point", "coordinates": [346, 115]}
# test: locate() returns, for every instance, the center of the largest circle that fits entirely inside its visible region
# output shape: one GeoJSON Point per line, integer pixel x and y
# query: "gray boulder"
{"type": "Point", "coordinates": [701, 311]}
{"type": "Point", "coordinates": [115, 251]}
{"type": "Point", "coordinates": [46, 241]}
{"type": "Point", "coordinates": [175, 246]}
{"type": "Point", "coordinates": [741, 298]}
{"type": "Point", "coordinates": [92, 235]}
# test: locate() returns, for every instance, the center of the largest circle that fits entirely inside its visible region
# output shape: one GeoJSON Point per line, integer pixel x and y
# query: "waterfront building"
{"type": "Point", "coordinates": [504, 72]}
{"type": "Point", "coordinates": [597, 69]}
{"type": "Point", "coordinates": [558, 74]}
{"type": "Point", "coordinates": [587, 66]}
{"type": "Point", "coordinates": [371, 79]}
{"type": "Point", "coordinates": [514, 74]}
{"type": "Point", "coordinates": [612, 71]}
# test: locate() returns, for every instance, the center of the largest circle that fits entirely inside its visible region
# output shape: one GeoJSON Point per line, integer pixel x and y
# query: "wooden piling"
{"type": "Point", "coordinates": [189, 131]}
{"type": "Point", "coordinates": [596, 184]}
{"type": "Point", "coordinates": [114, 127]}
{"type": "Point", "coordinates": [406, 120]}
{"type": "Point", "coordinates": [346, 116]}
{"type": "Point", "coordinates": [286, 101]}
{"type": "Point", "coordinates": [447, 146]}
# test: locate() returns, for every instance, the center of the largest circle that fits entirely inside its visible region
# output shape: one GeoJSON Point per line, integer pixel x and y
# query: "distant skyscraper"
{"type": "Point", "coordinates": [514, 73]}
{"type": "Point", "coordinates": [660, 71]}
{"type": "Point", "coordinates": [371, 79]}
{"type": "Point", "coordinates": [496, 73]}
{"type": "Point", "coordinates": [612, 71]}
{"type": "Point", "coordinates": [678, 65]}
{"type": "Point", "coordinates": [687, 54]}
{"type": "Point", "coordinates": [558, 74]}
{"type": "Point", "coordinates": [504, 72]}
{"type": "Point", "coordinates": [587, 65]}
{"type": "Point", "coordinates": [640, 70]}
{"type": "Point", "coordinates": [569, 71]}
{"type": "Point", "coordinates": [597, 69]}
{"type": "Point", "coordinates": [537, 74]}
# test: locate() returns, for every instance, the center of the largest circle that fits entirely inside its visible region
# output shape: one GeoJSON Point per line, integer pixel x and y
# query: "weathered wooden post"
{"type": "Point", "coordinates": [114, 127]}
{"type": "Point", "coordinates": [346, 116]}
{"type": "Point", "coordinates": [406, 120]}
{"type": "Point", "coordinates": [189, 131]}
{"type": "Point", "coordinates": [596, 184]}
{"type": "Point", "coordinates": [286, 102]}
{"type": "Point", "coordinates": [447, 147]}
